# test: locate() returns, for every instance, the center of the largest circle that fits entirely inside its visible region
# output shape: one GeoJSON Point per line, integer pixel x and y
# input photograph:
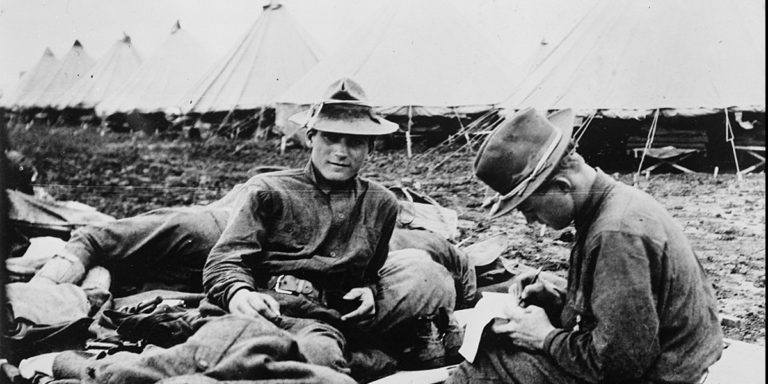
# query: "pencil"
{"type": "Point", "coordinates": [533, 281]}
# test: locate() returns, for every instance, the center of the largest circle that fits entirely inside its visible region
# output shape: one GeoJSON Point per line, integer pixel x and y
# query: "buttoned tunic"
{"type": "Point", "coordinates": [295, 222]}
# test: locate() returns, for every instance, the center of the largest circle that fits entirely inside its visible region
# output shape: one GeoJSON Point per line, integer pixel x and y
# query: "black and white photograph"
{"type": "Point", "coordinates": [382, 191]}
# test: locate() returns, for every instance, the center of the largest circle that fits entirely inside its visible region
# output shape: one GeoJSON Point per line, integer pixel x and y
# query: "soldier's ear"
{"type": "Point", "coordinates": [310, 134]}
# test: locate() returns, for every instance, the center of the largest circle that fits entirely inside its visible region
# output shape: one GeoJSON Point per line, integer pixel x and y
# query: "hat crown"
{"type": "Point", "coordinates": [345, 90]}
{"type": "Point", "coordinates": [344, 109]}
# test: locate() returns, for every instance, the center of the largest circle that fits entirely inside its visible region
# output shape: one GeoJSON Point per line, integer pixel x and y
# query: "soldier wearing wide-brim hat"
{"type": "Point", "coordinates": [342, 115]}
{"type": "Point", "coordinates": [308, 248]}
{"type": "Point", "coordinates": [637, 306]}
{"type": "Point", "coordinates": [514, 162]}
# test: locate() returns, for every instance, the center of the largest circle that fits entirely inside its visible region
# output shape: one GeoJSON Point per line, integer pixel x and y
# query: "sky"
{"type": "Point", "coordinates": [27, 27]}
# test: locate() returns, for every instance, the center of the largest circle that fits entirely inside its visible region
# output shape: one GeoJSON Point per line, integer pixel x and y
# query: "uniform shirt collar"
{"type": "Point", "coordinates": [600, 188]}
{"type": "Point", "coordinates": [327, 186]}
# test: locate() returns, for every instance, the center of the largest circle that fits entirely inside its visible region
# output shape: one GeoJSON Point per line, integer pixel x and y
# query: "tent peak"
{"type": "Point", "coordinates": [272, 5]}
{"type": "Point", "coordinates": [77, 44]}
{"type": "Point", "coordinates": [176, 27]}
{"type": "Point", "coordinates": [126, 39]}
{"type": "Point", "coordinates": [48, 52]}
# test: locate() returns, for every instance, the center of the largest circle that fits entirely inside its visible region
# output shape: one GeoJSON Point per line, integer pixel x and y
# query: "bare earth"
{"type": "Point", "coordinates": [122, 175]}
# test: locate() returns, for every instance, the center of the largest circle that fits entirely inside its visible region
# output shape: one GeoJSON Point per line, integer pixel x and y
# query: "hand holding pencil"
{"type": "Point", "coordinates": [525, 320]}
{"type": "Point", "coordinates": [531, 289]}
{"type": "Point", "coordinates": [520, 298]}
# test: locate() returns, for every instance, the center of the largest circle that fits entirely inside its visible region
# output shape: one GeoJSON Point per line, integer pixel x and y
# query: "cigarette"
{"type": "Point", "coordinates": [543, 229]}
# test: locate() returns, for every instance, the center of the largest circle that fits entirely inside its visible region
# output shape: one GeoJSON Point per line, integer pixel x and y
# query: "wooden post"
{"type": "Point", "coordinates": [730, 137]}
{"type": "Point", "coordinates": [257, 131]}
{"type": "Point", "coordinates": [408, 141]}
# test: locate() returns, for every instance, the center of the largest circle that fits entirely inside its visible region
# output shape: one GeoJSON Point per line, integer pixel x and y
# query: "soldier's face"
{"type": "Point", "coordinates": [337, 156]}
{"type": "Point", "coordinates": [550, 205]}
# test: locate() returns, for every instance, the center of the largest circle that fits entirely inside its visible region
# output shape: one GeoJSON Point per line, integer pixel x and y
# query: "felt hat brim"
{"type": "Point", "coordinates": [371, 125]}
{"type": "Point", "coordinates": [487, 251]}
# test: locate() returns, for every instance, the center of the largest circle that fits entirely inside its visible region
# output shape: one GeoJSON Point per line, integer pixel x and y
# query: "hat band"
{"type": "Point", "coordinates": [497, 199]}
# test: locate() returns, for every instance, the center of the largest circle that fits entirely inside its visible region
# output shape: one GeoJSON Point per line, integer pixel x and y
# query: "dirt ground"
{"type": "Point", "coordinates": [123, 175]}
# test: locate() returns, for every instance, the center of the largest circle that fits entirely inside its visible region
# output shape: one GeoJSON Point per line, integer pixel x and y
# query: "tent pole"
{"type": "Point", "coordinates": [5, 227]}
{"type": "Point", "coordinates": [648, 143]}
{"type": "Point", "coordinates": [730, 137]}
{"type": "Point", "coordinates": [257, 131]}
{"type": "Point", "coordinates": [408, 141]}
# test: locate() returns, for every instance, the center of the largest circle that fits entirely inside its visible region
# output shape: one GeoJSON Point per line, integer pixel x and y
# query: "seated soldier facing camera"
{"type": "Point", "coordinates": [308, 248]}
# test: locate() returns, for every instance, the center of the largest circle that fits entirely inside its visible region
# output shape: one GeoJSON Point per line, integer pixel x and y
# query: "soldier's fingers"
{"type": "Point", "coordinates": [273, 305]}
{"type": "Point", "coordinates": [357, 312]}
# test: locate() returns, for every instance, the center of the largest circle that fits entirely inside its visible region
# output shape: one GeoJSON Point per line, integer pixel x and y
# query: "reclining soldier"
{"type": "Point", "coordinates": [166, 248]}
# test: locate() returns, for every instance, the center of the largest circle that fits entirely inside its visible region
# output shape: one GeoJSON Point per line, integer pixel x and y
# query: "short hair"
{"type": "Point", "coordinates": [568, 160]}
{"type": "Point", "coordinates": [371, 139]}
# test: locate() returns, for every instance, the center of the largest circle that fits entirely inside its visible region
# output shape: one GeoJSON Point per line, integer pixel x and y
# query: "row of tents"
{"type": "Point", "coordinates": [405, 59]}
{"type": "Point", "coordinates": [625, 59]}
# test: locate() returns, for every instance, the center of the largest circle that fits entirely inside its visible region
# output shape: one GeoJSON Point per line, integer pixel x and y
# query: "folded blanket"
{"type": "Point", "coordinates": [45, 304]}
{"type": "Point", "coordinates": [226, 349]}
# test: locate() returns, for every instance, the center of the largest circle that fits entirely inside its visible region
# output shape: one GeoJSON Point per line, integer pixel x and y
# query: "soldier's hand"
{"type": "Point", "coordinates": [249, 303]}
{"type": "Point", "coordinates": [527, 327]}
{"type": "Point", "coordinates": [542, 293]}
{"type": "Point", "coordinates": [367, 307]}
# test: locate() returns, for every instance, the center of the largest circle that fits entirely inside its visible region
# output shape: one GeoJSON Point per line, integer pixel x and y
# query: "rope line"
{"type": "Point", "coordinates": [471, 126]}
{"type": "Point", "coordinates": [583, 128]}
{"type": "Point", "coordinates": [648, 141]}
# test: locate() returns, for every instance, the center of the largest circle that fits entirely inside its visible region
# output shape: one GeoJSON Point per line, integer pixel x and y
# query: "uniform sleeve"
{"type": "Point", "coordinates": [622, 341]}
{"type": "Point", "coordinates": [225, 272]}
{"type": "Point", "coordinates": [389, 219]}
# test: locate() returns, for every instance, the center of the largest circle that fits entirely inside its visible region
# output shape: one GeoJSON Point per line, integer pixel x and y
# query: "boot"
{"type": "Point", "coordinates": [425, 349]}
